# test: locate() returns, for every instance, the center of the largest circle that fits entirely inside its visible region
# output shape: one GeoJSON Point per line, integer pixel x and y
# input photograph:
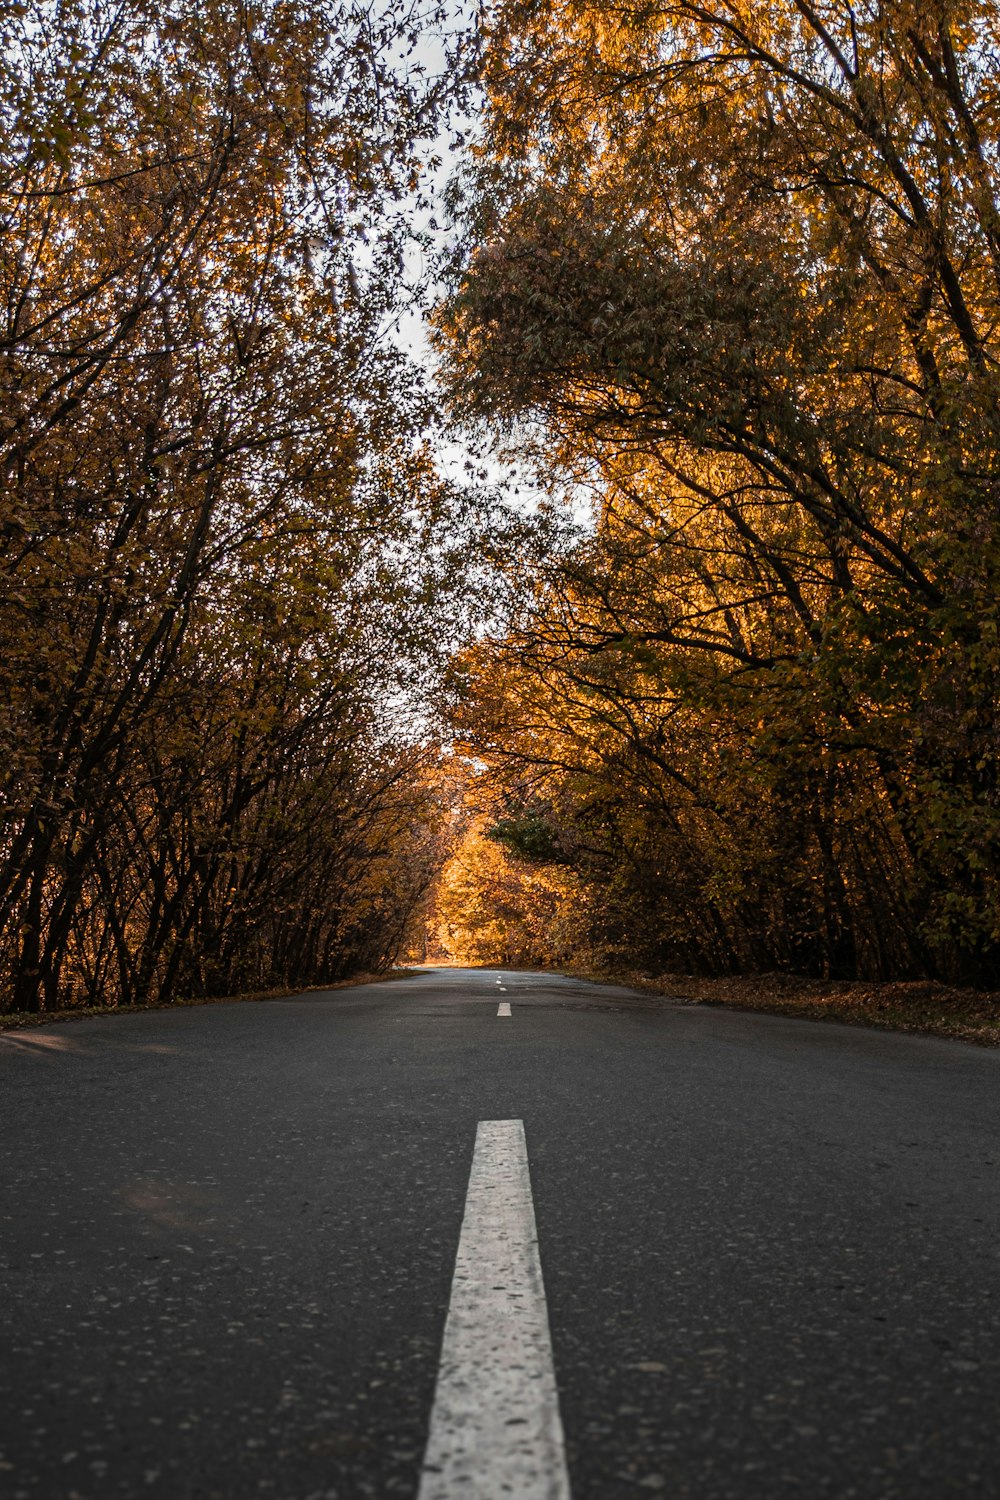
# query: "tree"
{"type": "Point", "coordinates": [491, 907]}
{"type": "Point", "coordinates": [217, 588]}
{"type": "Point", "coordinates": [739, 264]}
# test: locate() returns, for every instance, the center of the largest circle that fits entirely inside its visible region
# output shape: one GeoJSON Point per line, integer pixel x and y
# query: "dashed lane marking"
{"type": "Point", "coordinates": [503, 1009]}
{"type": "Point", "coordinates": [495, 1426]}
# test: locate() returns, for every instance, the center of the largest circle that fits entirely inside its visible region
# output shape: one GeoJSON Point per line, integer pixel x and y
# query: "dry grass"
{"type": "Point", "coordinates": [20, 1020]}
{"type": "Point", "coordinates": [919, 1005]}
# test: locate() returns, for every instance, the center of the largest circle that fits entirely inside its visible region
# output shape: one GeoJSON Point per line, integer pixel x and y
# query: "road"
{"type": "Point", "coordinates": [228, 1236]}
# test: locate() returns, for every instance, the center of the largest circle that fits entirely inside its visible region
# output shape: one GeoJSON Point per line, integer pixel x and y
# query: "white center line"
{"type": "Point", "coordinates": [495, 1427]}
{"type": "Point", "coordinates": [503, 1009]}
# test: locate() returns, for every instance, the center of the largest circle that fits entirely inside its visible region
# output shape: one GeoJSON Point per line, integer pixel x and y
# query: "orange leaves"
{"type": "Point", "coordinates": [489, 907]}
{"type": "Point", "coordinates": [228, 569]}
{"type": "Point", "coordinates": [739, 274]}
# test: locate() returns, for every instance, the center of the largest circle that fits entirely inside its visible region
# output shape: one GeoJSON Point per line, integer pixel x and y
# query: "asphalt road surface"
{"type": "Point", "coordinates": [228, 1237]}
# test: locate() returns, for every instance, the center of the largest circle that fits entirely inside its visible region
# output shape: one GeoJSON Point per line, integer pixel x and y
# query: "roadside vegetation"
{"type": "Point", "coordinates": [733, 270]}
{"type": "Point", "coordinates": [228, 564]}
{"type": "Point", "coordinates": [276, 696]}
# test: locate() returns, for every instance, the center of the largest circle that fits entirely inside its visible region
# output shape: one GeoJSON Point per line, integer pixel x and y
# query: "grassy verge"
{"type": "Point", "coordinates": [20, 1020]}
{"type": "Point", "coordinates": [924, 1006]}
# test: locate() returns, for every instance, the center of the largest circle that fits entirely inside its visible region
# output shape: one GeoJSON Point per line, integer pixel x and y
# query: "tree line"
{"type": "Point", "coordinates": [725, 276]}
{"type": "Point", "coordinates": [228, 562]}
{"type": "Point", "coordinates": [733, 272]}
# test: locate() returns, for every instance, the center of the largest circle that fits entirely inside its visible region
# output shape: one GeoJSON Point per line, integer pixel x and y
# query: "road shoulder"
{"type": "Point", "coordinates": [911, 1006]}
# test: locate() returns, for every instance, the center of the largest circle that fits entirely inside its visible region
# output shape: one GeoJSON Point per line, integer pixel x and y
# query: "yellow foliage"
{"type": "Point", "coordinates": [492, 908]}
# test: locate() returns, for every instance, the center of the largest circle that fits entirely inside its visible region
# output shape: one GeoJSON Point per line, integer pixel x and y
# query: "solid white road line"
{"type": "Point", "coordinates": [503, 1009]}
{"type": "Point", "coordinates": [495, 1427]}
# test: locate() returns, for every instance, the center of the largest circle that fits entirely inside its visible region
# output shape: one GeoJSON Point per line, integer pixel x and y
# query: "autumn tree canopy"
{"type": "Point", "coordinates": [736, 267]}
{"type": "Point", "coordinates": [228, 562]}
{"type": "Point", "coordinates": [729, 268]}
